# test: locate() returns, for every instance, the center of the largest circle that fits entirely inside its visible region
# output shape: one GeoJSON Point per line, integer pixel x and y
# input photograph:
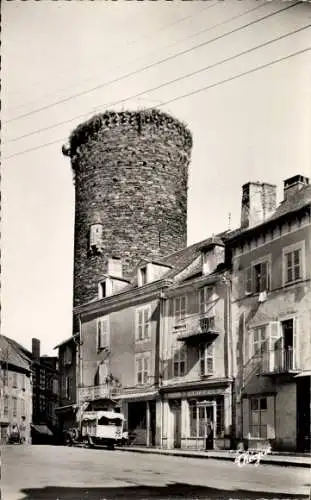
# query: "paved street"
{"type": "Point", "coordinates": [47, 472]}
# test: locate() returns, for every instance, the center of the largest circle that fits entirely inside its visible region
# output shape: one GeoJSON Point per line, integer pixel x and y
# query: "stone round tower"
{"type": "Point", "coordinates": [130, 173]}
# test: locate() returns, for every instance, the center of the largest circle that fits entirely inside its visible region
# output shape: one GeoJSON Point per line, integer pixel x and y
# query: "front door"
{"type": "Point", "coordinates": [209, 426]}
{"type": "Point", "coordinates": [303, 414]}
{"type": "Point", "coordinates": [176, 412]}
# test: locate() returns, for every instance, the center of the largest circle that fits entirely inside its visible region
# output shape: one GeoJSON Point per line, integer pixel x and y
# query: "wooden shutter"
{"type": "Point", "coordinates": [296, 351]}
{"type": "Point", "coordinates": [146, 370]}
{"type": "Point", "coordinates": [139, 324]}
{"type": "Point", "coordinates": [103, 333]}
{"type": "Point", "coordinates": [209, 358]}
{"type": "Point", "coordinates": [102, 373]}
{"type": "Point", "coordinates": [264, 269]}
{"type": "Point", "coordinates": [274, 351]}
{"type": "Point", "coordinates": [182, 307]}
{"type": "Point", "coordinates": [248, 280]}
{"type": "Point", "coordinates": [202, 300]}
{"type": "Point", "coordinates": [146, 333]}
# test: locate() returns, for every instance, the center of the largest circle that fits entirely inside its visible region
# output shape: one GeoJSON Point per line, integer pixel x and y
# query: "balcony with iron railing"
{"type": "Point", "coordinates": [280, 361]}
{"type": "Point", "coordinates": [197, 327]}
{"type": "Point", "coordinates": [94, 392]}
{"type": "Point", "coordinates": [274, 362]}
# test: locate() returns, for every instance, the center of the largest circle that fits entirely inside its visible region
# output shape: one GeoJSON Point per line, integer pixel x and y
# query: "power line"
{"type": "Point", "coordinates": [189, 94]}
{"type": "Point", "coordinates": [133, 42]}
{"type": "Point", "coordinates": [235, 77]}
{"type": "Point", "coordinates": [165, 84]}
{"type": "Point", "coordinates": [152, 65]}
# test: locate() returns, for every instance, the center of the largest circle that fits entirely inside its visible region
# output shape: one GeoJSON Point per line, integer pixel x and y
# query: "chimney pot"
{"type": "Point", "coordinates": [293, 184]}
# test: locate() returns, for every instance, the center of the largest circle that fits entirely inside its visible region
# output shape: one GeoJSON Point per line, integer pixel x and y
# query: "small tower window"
{"type": "Point", "coordinates": [96, 238]}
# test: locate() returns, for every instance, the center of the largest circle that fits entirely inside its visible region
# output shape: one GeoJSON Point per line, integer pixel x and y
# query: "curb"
{"type": "Point", "coordinates": [185, 454]}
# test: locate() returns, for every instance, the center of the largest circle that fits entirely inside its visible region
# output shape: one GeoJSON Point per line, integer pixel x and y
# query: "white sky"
{"type": "Point", "coordinates": [256, 127]}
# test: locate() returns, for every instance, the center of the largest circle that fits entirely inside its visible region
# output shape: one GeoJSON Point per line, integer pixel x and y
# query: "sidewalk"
{"type": "Point", "coordinates": [273, 458]}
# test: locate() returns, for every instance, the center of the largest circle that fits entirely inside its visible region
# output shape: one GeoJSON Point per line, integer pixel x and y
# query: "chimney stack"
{"type": "Point", "coordinates": [115, 267]}
{"type": "Point", "coordinates": [36, 349]}
{"type": "Point", "coordinates": [258, 203]}
{"type": "Point", "coordinates": [294, 184]}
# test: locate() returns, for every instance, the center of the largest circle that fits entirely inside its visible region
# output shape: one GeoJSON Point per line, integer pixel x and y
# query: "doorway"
{"type": "Point", "coordinates": [176, 413]}
{"type": "Point", "coordinates": [303, 414]}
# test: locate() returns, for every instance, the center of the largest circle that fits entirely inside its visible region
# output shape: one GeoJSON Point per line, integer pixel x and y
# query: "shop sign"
{"type": "Point", "coordinates": [195, 394]}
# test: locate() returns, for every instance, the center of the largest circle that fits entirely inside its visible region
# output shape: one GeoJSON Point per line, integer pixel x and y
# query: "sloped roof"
{"type": "Point", "coordinates": [14, 354]}
{"type": "Point", "coordinates": [290, 205]}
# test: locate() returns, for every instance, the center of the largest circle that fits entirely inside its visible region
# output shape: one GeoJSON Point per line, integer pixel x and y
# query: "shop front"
{"type": "Point", "coordinates": [196, 419]}
{"type": "Point", "coordinates": [141, 412]}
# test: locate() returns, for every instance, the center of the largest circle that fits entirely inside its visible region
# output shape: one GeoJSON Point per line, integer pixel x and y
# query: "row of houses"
{"type": "Point", "coordinates": [219, 332]}
{"type": "Point", "coordinates": [29, 392]}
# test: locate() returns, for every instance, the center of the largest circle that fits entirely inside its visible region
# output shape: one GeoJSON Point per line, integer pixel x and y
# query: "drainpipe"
{"type": "Point", "coordinates": [162, 316]}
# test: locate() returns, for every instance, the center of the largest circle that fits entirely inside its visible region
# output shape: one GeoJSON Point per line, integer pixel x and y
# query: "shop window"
{"type": "Point", "coordinates": [200, 411]}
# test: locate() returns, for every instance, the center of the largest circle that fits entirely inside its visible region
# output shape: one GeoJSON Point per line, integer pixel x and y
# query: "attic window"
{"type": "Point", "coordinates": [102, 290]}
{"type": "Point", "coordinates": [143, 276]}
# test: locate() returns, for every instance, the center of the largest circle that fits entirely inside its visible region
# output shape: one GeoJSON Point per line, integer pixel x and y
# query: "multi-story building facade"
{"type": "Point", "coordinates": [119, 348]}
{"type": "Point", "coordinates": [196, 353]}
{"type": "Point", "coordinates": [271, 310]}
{"type": "Point", "coordinates": [45, 390]}
{"type": "Point", "coordinates": [15, 391]}
{"type": "Point", "coordinates": [68, 365]}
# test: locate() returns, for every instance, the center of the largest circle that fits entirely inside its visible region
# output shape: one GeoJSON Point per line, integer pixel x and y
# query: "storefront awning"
{"type": "Point", "coordinates": [143, 396]}
{"type": "Point", "coordinates": [42, 429]}
{"type": "Point", "coordinates": [66, 409]}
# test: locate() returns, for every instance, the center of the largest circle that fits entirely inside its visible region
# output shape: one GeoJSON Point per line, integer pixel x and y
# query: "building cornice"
{"type": "Point", "coordinates": [127, 298]}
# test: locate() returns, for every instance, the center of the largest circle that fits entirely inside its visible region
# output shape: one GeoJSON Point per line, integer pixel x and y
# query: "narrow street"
{"type": "Point", "coordinates": [63, 473]}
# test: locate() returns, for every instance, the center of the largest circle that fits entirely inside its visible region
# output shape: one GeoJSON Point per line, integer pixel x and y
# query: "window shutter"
{"type": "Point", "coordinates": [209, 357]}
{"type": "Point", "coordinates": [296, 351]}
{"type": "Point", "coordinates": [264, 276]}
{"type": "Point", "coordinates": [202, 300]}
{"type": "Point", "coordinates": [103, 333]}
{"type": "Point", "coordinates": [146, 322]}
{"type": "Point", "coordinates": [146, 370]}
{"type": "Point", "coordinates": [139, 324]}
{"type": "Point", "coordinates": [248, 280]}
{"type": "Point", "coordinates": [274, 350]}
{"type": "Point", "coordinates": [102, 373]}
{"type": "Point", "coordinates": [183, 307]}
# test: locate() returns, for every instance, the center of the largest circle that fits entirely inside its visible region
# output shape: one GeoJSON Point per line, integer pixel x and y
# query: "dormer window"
{"type": "Point", "coordinates": [96, 238]}
{"type": "Point", "coordinates": [104, 288]}
{"type": "Point", "coordinates": [143, 276]}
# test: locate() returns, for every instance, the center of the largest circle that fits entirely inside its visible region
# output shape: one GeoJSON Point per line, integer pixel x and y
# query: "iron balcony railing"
{"type": "Point", "coordinates": [94, 392]}
{"type": "Point", "coordinates": [282, 360]}
{"type": "Point", "coordinates": [276, 361]}
{"type": "Point", "coordinates": [197, 325]}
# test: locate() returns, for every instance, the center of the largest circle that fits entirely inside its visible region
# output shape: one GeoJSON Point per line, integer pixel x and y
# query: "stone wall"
{"type": "Point", "coordinates": [131, 175]}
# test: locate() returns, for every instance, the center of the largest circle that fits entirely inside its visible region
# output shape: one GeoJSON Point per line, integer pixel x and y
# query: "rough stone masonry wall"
{"type": "Point", "coordinates": [131, 175]}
